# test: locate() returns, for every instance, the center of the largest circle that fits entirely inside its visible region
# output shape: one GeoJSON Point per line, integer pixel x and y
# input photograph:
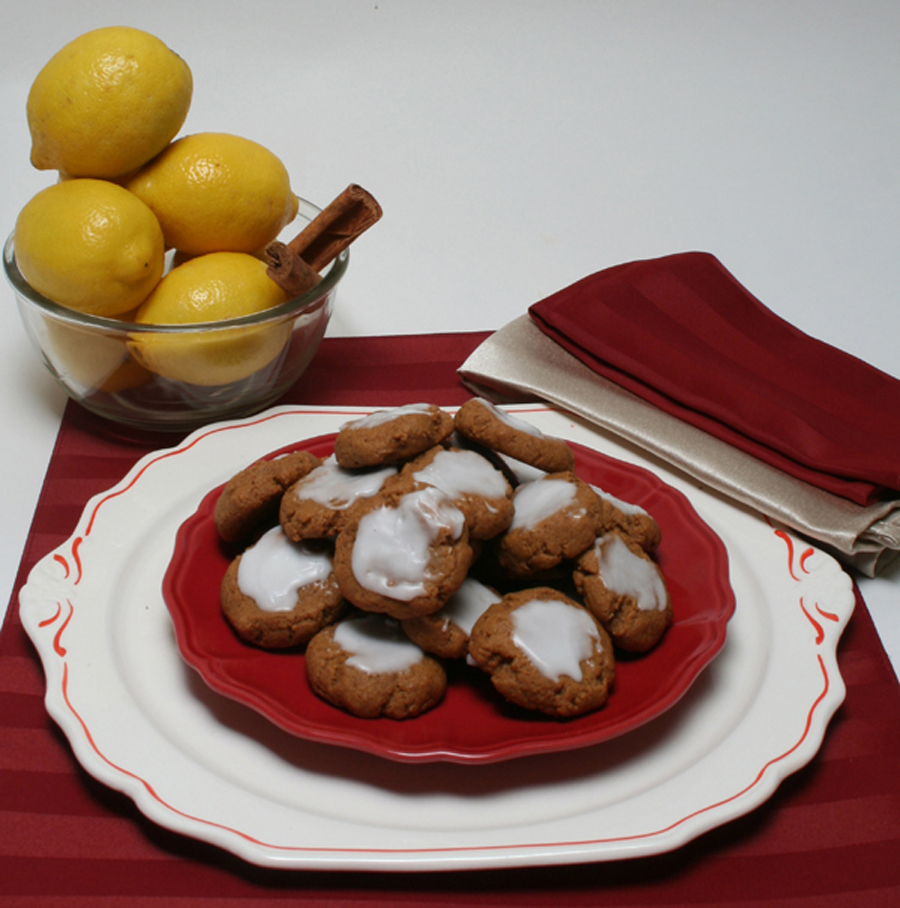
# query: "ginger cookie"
{"type": "Point", "coordinates": [391, 436]}
{"type": "Point", "coordinates": [368, 667]}
{"type": "Point", "coordinates": [278, 593]}
{"type": "Point", "coordinates": [544, 651]}
{"type": "Point", "coordinates": [626, 591]}
{"type": "Point", "coordinates": [482, 422]}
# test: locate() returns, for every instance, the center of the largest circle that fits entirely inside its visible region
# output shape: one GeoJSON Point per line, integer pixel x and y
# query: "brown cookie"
{"type": "Point", "coordinates": [391, 436]}
{"type": "Point", "coordinates": [544, 651]}
{"type": "Point", "coordinates": [482, 422]}
{"type": "Point", "coordinates": [476, 486]}
{"type": "Point", "coordinates": [555, 518]}
{"type": "Point", "coordinates": [630, 520]}
{"type": "Point", "coordinates": [253, 495]}
{"type": "Point", "coordinates": [626, 590]}
{"type": "Point", "coordinates": [404, 554]}
{"type": "Point", "coordinates": [367, 666]}
{"type": "Point", "coordinates": [445, 633]}
{"type": "Point", "coordinates": [321, 502]}
{"type": "Point", "coordinates": [278, 593]}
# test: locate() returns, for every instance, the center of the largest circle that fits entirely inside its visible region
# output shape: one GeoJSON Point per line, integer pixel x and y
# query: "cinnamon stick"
{"type": "Point", "coordinates": [294, 266]}
{"type": "Point", "coordinates": [326, 236]}
{"type": "Point", "coordinates": [289, 271]}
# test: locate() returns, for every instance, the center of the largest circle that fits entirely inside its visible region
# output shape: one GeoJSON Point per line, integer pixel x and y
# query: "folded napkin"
{"type": "Point", "coordinates": [675, 356]}
{"type": "Point", "coordinates": [682, 333]}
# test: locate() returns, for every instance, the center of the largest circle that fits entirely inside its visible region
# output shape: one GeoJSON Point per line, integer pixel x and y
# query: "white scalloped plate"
{"type": "Point", "coordinates": [142, 722]}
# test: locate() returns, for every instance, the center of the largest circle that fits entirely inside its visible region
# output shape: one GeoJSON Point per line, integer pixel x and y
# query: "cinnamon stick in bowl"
{"type": "Point", "coordinates": [295, 266]}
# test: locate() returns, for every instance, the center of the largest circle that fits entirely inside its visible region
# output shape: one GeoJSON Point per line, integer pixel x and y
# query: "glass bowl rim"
{"type": "Point", "coordinates": [287, 309]}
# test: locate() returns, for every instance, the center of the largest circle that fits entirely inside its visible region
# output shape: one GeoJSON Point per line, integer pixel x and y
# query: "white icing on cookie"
{"type": "Point", "coordinates": [274, 569]}
{"type": "Point", "coordinates": [337, 488]}
{"type": "Point", "coordinates": [514, 422]}
{"type": "Point", "coordinates": [626, 507]}
{"type": "Point", "coordinates": [461, 473]}
{"type": "Point", "coordinates": [380, 417]}
{"type": "Point", "coordinates": [391, 554]}
{"type": "Point", "coordinates": [555, 636]}
{"type": "Point", "coordinates": [377, 644]}
{"type": "Point", "coordinates": [467, 605]}
{"type": "Point", "coordinates": [536, 501]}
{"type": "Point", "coordinates": [628, 574]}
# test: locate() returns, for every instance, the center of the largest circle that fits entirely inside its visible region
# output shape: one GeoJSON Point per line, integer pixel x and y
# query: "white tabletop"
{"type": "Point", "coordinates": [518, 146]}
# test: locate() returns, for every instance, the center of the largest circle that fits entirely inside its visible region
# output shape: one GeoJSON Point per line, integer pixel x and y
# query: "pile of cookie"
{"type": "Point", "coordinates": [428, 537]}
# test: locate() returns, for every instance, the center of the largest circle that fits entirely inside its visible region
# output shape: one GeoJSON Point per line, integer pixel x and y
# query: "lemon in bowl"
{"type": "Point", "coordinates": [213, 288]}
{"type": "Point", "coordinates": [90, 245]}
{"type": "Point", "coordinates": [217, 192]}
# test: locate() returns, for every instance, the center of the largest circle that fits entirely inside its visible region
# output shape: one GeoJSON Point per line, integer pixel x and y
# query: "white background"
{"type": "Point", "coordinates": [518, 146]}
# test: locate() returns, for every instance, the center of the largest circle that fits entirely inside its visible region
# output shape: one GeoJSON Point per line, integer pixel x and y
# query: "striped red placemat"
{"type": "Point", "coordinates": [830, 836]}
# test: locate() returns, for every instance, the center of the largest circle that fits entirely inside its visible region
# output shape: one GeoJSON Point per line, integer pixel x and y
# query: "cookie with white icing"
{"type": "Point", "coordinates": [554, 518]}
{"type": "Point", "coordinates": [625, 589]}
{"type": "Point", "coordinates": [630, 520]}
{"type": "Point", "coordinates": [278, 593]}
{"type": "Point", "coordinates": [482, 422]}
{"type": "Point", "coordinates": [391, 436]}
{"type": "Point", "coordinates": [404, 554]}
{"type": "Point", "coordinates": [366, 665]}
{"type": "Point", "coordinates": [543, 651]}
{"type": "Point", "coordinates": [322, 501]}
{"type": "Point", "coordinates": [477, 487]}
{"type": "Point", "coordinates": [446, 632]}
{"type": "Point", "coordinates": [253, 495]}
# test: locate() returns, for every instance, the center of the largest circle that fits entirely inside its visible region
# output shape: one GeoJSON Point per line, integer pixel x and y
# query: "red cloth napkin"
{"type": "Point", "coordinates": [828, 838]}
{"type": "Point", "coordinates": [683, 334]}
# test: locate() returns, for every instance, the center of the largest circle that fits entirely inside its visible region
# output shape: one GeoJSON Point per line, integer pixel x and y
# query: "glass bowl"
{"type": "Point", "coordinates": [178, 377]}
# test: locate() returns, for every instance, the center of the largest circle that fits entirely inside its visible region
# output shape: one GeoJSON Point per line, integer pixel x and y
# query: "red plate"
{"type": "Point", "coordinates": [471, 724]}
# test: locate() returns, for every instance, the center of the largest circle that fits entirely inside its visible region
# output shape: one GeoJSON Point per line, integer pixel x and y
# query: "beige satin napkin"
{"type": "Point", "coordinates": [519, 362]}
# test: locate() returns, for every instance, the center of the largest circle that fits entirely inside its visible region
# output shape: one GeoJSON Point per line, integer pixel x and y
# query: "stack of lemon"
{"type": "Point", "coordinates": [105, 112]}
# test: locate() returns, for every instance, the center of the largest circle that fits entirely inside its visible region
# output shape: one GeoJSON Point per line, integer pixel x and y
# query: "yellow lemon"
{"type": "Point", "coordinates": [90, 245]}
{"type": "Point", "coordinates": [220, 285]}
{"type": "Point", "coordinates": [215, 192]}
{"type": "Point", "coordinates": [106, 103]}
{"type": "Point", "coordinates": [88, 360]}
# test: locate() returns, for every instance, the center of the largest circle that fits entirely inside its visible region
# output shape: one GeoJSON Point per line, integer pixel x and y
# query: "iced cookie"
{"type": "Point", "coordinates": [476, 486]}
{"type": "Point", "coordinates": [318, 505]}
{"type": "Point", "coordinates": [279, 593]}
{"type": "Point", "coordinates": [555, 518]}
{"type": "Point", "coordinates": [404, 554]}
{"type": "Point", "coordinates": [254, 494]}
{"type": "Point", "coordinates": [445, 633]}
{"type": "Point", "coordinates": [482, 422]}
{"type": "Point", "coordinates": [369, 667]}
{"type": "Point", "coordinates": [630, 520]}
{"type": "Point", "coordinates": [626, 590]}
{"type": "Point", "coordinates": [391, 436]}
{"type": "Point", "coordinates": [543, 651]}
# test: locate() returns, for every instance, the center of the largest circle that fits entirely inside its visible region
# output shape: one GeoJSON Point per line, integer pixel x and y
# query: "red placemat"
{"type": "Point", "coordinates": [830, 836]}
